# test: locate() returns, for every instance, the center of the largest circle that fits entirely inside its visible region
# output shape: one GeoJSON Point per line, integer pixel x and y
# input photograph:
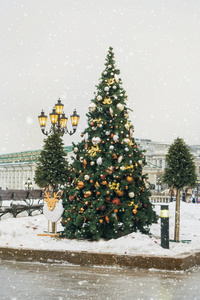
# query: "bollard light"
{"type": "Point", "coordinates": [164, 215]}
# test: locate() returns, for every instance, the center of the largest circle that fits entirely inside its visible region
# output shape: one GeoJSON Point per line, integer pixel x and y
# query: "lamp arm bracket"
{"type": "Point", "coordinates": [72, 132]}
{"type": "Point", "coordinates": [45, 133]}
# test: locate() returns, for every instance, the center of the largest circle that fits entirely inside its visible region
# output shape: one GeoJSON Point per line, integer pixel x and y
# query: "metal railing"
{"type": "Point", "coordinates": [161, 199]}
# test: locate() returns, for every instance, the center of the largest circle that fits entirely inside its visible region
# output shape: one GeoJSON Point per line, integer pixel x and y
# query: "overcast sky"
{"type": "Point", "coordinates": [51, 49]}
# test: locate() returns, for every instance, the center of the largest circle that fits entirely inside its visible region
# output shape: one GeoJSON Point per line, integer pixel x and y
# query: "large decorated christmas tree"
{"type": "Point", "coordinates": [108, 195]}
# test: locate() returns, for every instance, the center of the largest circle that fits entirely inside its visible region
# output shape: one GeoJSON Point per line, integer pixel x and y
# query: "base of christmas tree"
{"type": "Point", "coordinates": [49, 234]}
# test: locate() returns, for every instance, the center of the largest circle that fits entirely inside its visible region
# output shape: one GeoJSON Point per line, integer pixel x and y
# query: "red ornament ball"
{"type": "Point", "coordinates": [102, 208]}
{"type": "Point", "coordinates": [103, 177]}
{"type": "Point", "coordinates": [116, 201]}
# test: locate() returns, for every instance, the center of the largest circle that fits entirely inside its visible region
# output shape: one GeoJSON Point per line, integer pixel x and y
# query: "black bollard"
{"type": "Point", "coordinates": [164, 215]}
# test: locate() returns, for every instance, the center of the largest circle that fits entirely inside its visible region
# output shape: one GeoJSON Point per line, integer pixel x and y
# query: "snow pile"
{"type": "Point", "coordinates": [22, 233]}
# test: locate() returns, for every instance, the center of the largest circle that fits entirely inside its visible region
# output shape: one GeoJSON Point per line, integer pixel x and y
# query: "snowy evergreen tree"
{"type": "Point", "coordinates": [180, 172]}
{"type": "Point", "coordinates": [52, 167]}
{"type": "Point", "coordinates": [108, 195]}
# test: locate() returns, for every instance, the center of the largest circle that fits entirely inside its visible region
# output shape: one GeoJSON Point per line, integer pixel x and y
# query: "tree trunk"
{"type": "Point", "coordinates": [177, 217]}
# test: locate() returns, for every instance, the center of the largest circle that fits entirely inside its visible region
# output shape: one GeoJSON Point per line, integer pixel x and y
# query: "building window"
{"type": "Point", "coordinates": [161, 163]}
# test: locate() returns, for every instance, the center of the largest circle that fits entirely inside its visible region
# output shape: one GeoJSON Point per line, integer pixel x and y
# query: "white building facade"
{"type": "Point", "coordinates": [16, 168]}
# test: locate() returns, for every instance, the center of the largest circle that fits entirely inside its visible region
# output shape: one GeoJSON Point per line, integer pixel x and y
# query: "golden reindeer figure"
{"type": "Point", "coordinates": [51, 204]}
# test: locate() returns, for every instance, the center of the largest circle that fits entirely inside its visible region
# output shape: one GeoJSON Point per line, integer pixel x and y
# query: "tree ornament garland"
{"type": "Point", "coordinates": [107, 183]}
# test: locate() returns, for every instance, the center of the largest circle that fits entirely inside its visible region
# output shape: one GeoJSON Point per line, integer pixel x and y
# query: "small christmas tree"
{"type": "Point", "coordinates": [52, 167]}
{"type": "Point", "coordinates": [108, 196]}
{"type": "Point", "coordinates": [180, 172]}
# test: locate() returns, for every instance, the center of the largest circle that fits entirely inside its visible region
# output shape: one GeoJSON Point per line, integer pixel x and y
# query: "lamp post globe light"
{"type": "Point", "coordinates": [58, 120]}
{"type": "Point", "coordinates": [28, 184]}
{"type": "Point", "coordinates": [198, 184]}
{"type": "Point", "coordinates": [159, 182]}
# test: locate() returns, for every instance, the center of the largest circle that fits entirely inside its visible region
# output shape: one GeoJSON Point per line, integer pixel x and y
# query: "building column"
{"type": "Point", "coordinates": [1, 179]}
{"type": "Point", "coordinates": [11, 179]}
{"type": "Point", "coordinates": [7, 178]}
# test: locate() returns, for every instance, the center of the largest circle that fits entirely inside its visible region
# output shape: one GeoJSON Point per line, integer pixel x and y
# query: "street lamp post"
{"type": "Point", "coordinates": [159, 182]}
{"type": "Point", "coordinates": [28, 184]}
{"type": "Point", "coordinates": [58, 120]}
{"type": "Point", "coordinates": [58, 124]}
{"type": "Point", "coordinates": [198, 182]}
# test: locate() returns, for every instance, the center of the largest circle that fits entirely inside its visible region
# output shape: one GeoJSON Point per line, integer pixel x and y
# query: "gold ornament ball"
{"type": "Point", "coordinates": [87, 194]}
{"type": "Point", "coordinates": [120, 193]}
{"type": "Point", "coordinates": [104, 182]}
{"type": "Point", "coordinates": [80, 184]}
{"type": "Point", "coordinates": [129, 179]}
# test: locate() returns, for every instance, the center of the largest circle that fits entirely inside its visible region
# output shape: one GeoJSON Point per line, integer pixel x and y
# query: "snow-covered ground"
{"type": "Point", "coordinates": [22, 233]}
